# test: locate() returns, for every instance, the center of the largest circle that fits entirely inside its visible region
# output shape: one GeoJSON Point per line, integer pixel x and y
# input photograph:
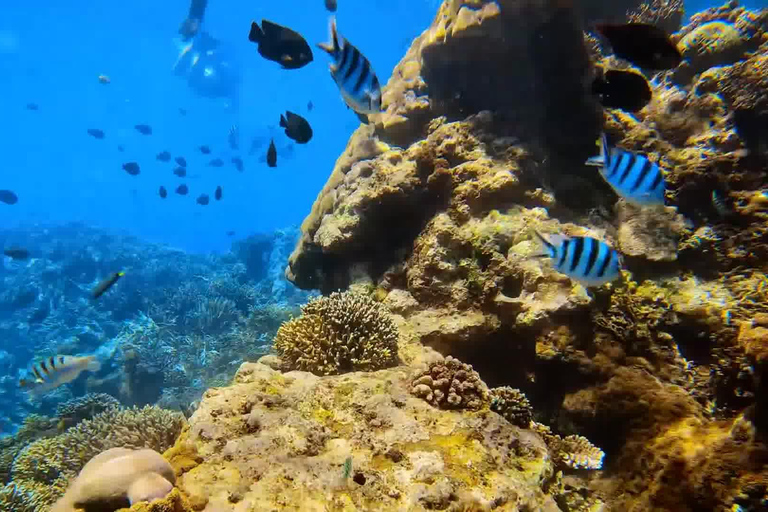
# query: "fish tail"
{"type": "Point", "coordinates": [332, 46]}
{"type": "Point", "coordinates": [283, 122]}
{"type": "Point", "coordinates": [93, 364]}
{"type": "Point", "coordinates": [255, 35]}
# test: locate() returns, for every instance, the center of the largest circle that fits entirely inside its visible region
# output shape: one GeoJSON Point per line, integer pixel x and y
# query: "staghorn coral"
{"type": "Point", "coordinates": [512, 404]}
{"type": "Point", "coordinates": [339, 333]}
{"type": "Point", "coordinates": [574, 452]}
{"type": "Point", "coordinates": [54, 461]}
{"type": "Point", "coordinates": [85, 407]}
{"type": "Point", "coordinates": [451, 384]}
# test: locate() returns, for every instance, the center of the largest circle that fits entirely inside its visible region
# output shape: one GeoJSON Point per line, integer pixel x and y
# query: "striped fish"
{"type": "Point", "coordinates": [353, 74]}
{"type": "Point", "coordinates": [583, 259]}
{"type": "Point", "coordinates": [632, 176]}
{"type": "Point", "coordinates": [55, 371]}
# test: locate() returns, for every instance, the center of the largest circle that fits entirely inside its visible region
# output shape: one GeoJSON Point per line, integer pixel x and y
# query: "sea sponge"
{"type": "Point", "coordinates": [512, 404]}
{"type": "Point", "coordinates": [339, 333]}
{"type": "Point", "coordinates": [451, 384]}
{"type": "Point", "coordinates": [119, 477]}
{"type": "Point", "coordinates": [56, 460]}
{"type": "Point", "coordinates": [574, 452]}
{"type": "Point", "coordinates": [85, 407]}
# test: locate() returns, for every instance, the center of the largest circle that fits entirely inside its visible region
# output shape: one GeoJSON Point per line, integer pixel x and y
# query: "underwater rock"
{"type": "Point", "coordinates": [119, 477]}
{"type": "Point", "coordinates": [716, 43]}
{"type": "Point", "coordinates": [275, 441]}
{"type": "Point", "coordinates": [650, 233]}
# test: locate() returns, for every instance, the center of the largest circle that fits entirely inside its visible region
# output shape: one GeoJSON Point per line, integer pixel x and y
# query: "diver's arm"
{"type": "Point", "coordinates": [191, 24]}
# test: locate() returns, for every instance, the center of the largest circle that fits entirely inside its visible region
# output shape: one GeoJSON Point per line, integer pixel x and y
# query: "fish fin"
{"type": "Point", "coordinates": [550, 247]}
{"type": "Point", "coordinates": [601, 159]}
{"type": "Point", "coordinates": [94, 364]}
{"type": "Point", "coordinates": [363, 118]}
{"type": "Point", "coordinates": [332, 46]}
{"type": "Point", "coordinates": [283, 122]}
{"type": "Point", "coordinates": [255, 35]}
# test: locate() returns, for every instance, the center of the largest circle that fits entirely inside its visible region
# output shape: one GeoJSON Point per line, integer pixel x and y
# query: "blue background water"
{"type": "Point", "coordinates": [51, 53]}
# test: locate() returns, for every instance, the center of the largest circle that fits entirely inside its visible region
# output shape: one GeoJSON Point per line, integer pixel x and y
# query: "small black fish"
{"type": "Point", "coordinates": [330, 5]}
{"type": "Point", "coordinates": [310, 106]}
{"type": "Point", "coordinates": [181, 161]}
{"type": "Point", "coordinates": [8, 197]}
{"type": "Point", "coordinates": [296, 127]}
{"type": "Point", "coordinates": [205, 150]}
{"type": "Point", "coordinates": [180, 171]}
{"type": "Point", "coordinates": [132, 168]}
{"type": "Point", "coordinates": [96, 133]}
{"type": "Point", "coordinates": [182, 111]}
{"type": "Point", "coordinates": [272, 154]}
{"type": "Point", "coordinates": [120, 148]}
{"type": "Point", "coordinates": [238, 162]}
{"type": "Point", "coordinates": [32, 106]}
{"type": "Point", "coordinates": [217, 194]}
{"type": "Point", "coordinates": [182, 190]}
{"type": "Point", "coordinates": [144, 129]}
{"type": "Point", "coordinates": [216, 162]}
{"type": "Point", "coordinates": [203, 199]}
{"type": "Point", "coordinates": [230, 233]}
{"type": "Point", "coordinates": [163, 193]}
{"type": "Point", "coordinates": [164, 156]}
{"type": "Point", "coordinates": [625, 90]}
{"type": "Point", "coordinates": [16, 253]}
{"type": "Point", "coordinates": [644, 45]}
{"type": "Point", "coordinates": [280, 44]}
{"type": "Point", "coordinates": [106, 284]}
{"type": "Point", "coordinates": [234, 137]}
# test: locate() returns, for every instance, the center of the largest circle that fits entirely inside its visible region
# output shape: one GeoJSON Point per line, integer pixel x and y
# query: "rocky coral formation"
{"type": "Point", "coordinates": [42, 469]}
{"type": "Point", "coordinates": [74, 411]}
{"type": "Point", "coordinates": [118, 477]}
{"type": "Point", "coordinates": [339, 333]}
{"type": "Point", "coordinates": [451, 384]}
{"type": "Point", "coordinates": [677, 339]}
{"type": "Point", "coordinates": [512, 405]}
{"type": "Point", "coordinates": [280, 441]}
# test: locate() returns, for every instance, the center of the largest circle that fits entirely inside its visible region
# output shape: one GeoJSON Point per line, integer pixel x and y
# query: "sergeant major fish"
{"type": "Point", "coordinates": [353, 74]}
{"type": "Point", "coordinates": [582, 258]}
{"type": "Point", "coordinates": [55, 371]}
{"type": "Point", "coordinates": [632, 176]}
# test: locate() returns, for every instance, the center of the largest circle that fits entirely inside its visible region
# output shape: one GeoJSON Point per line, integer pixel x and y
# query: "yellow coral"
{"type": "Point", "coordinates": [339, 333]}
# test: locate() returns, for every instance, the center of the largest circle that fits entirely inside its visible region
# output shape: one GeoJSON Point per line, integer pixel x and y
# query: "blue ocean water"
{"type": "Point", "coordinates": [51, 54]}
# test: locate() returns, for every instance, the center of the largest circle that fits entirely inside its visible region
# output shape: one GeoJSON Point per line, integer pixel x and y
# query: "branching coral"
{"type": "Point", "coordinates": [85, 407]}
{"type": "Point", "coordinates": [574, 452]}
{"type": "Point", "coordinates": [451, 384]}
{"type": "Point", "coordinates": [512, 405]}
{"type": "Point", "coordinates": [34, 427]}
{"type": "Point", "coordinates": [339, 333]}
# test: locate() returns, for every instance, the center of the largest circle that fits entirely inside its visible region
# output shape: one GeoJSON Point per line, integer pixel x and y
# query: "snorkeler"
{"type": "Point", "coordinates": [204, 61]}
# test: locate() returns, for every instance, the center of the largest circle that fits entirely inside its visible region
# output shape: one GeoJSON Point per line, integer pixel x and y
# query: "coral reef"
{"type": "Point", "coordinates": [74, 411]}
{"type": "Point", "coordinates": [434, 205]}
{"type": "Point", "coordinates": [451, 384]}
{"type": "Point", "coordinates": [339, 333]}
{"type": "Point", "coordinates": [42, 469]}
{"type": "Point", "coordinates": [116, 477]}
{"type": "Point", "coordinates": [512, 404]}
{"type": "Point", "coordinates": [276, 440]}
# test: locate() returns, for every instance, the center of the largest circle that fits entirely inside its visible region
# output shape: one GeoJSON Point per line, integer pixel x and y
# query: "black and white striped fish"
{"type": "Point", "coordinates": [582, 258]}
{"type": "Point", "coordinates": [55, 371]}
{"type": "Point", "coordinates": [632, 176]}
{"type": "Point", "coordinates": [353, 74]}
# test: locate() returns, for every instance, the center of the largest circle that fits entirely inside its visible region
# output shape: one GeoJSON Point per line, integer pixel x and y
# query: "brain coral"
{"type": "Point", "coordinates": [339, 333]}
{"type": "Point", "coordinates": [451, 384]}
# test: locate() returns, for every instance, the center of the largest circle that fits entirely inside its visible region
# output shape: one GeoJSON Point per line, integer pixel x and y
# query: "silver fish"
{"type": "Point", "coordinates": [54, 371]}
